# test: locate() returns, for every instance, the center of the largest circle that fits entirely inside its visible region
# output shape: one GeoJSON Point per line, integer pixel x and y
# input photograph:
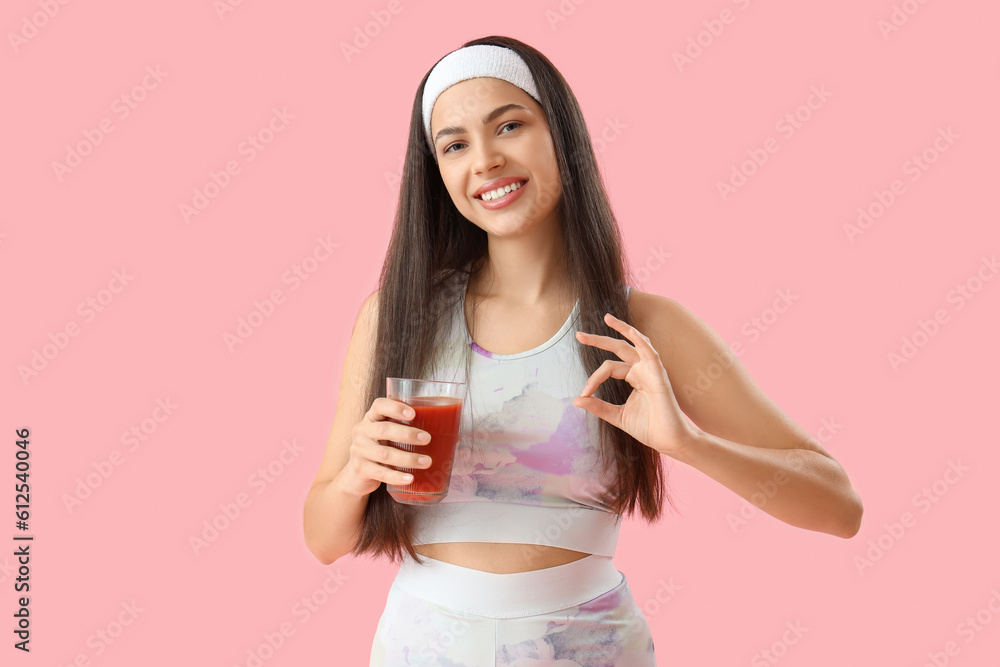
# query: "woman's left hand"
{"type": "Point", "coordinates": [650, 414]}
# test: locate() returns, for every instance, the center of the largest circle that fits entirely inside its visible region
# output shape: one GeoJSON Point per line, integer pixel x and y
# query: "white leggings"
{"type": "Point", "coordinates": [580, 614]}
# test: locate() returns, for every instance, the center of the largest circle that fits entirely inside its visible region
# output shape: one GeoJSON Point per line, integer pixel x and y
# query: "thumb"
{"type": "Point", "coordinates": [599, 408]}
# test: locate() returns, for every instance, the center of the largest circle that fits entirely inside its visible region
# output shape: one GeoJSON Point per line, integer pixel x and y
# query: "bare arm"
{"type": "Point", "coordinates": [356, 461]}
{"type": "Point", "coordinates": [744, 441]}
{"type": "Point", "coordinates": [332, 515]}
{"type": "Point", "coordinates": [798, 485]}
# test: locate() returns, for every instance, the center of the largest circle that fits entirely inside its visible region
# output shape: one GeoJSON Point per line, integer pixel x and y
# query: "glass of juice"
{"type": "Point", "coordinates": [438, 408]}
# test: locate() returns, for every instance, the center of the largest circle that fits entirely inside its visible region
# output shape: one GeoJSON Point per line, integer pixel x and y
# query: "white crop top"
{"type": "Point", "coordinates": [533, 476]}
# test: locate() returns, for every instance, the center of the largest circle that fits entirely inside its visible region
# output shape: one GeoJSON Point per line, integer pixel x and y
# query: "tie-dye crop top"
{"type": "Point", "coordinates": [526, 467]}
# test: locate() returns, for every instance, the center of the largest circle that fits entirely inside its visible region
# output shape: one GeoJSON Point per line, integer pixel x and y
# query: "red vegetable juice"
{"type": "Point", "coordinates": [440, 417]}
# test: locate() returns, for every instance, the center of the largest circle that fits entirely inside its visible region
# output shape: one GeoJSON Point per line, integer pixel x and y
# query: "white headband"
{"type": "Point", "coordinates": [471, 62]}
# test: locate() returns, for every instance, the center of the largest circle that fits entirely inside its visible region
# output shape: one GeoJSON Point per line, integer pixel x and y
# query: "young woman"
{"type": "Point", "coordinates": [578, 385]}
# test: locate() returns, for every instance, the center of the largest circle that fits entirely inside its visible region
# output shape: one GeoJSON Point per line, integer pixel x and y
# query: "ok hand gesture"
{"type": "Point", "coordinates": [650, 414]}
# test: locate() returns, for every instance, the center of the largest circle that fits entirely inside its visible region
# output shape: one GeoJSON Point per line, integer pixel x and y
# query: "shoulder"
{"type": "Point", "coordinates": [670, 326]}
{"type": "Point", "coordinates": [654, 316]}
{"type": "Point", "coordinates": [370, 304]}
{"type": "Point", "coordinates": [711, 385]}
{"type": "Point", "coordinates": [366, 321]}
{"type": "Point", "coordinates": [367, 317]}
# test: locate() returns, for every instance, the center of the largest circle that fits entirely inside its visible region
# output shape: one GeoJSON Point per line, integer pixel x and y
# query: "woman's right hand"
{"type": "Point", "coordinates": [371, 461]}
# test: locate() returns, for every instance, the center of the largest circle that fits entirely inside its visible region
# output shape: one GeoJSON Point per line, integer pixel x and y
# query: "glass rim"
{"type": "Point", "coordinates": [428, 381]}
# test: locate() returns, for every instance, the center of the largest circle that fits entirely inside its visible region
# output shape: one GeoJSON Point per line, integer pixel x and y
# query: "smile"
{"type": "Point", "coordinates": [500, 192]}
{"type": "Point", "coordinates": [502, 197]}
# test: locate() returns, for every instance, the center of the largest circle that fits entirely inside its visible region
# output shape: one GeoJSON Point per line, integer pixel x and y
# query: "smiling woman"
{"type": "Point", "coordinates": [506, 271]}
{"type": "Point", "coordinates": [483, 119]}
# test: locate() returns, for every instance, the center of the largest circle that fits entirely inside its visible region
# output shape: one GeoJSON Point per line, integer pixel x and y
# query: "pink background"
{"type": "Point", "coordinates": [331, 172]}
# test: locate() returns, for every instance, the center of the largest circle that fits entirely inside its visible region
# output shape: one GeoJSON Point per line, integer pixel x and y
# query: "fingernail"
{"type": "Point", "coordinates": [409, 414]}
{"type": "Point", "coordinates": [424, 460]}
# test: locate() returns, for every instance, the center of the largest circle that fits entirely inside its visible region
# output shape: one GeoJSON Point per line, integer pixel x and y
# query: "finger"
{"type": "Point", "coordinates": [643, 346]}
{"type": "Point", "coordinates": [600, 409]}
{"type": "Point", "coordinates": [381, 473]}
{"type": "Point", "coordinates": [386, 407]}
{"type": "Point", "coordinates": [391, 455]}
{"type": "Point", "coordinates": [616, 346]}
{"type": "Point", "coordinates": [609, 368]}
{"type": "Point", "coordinates": [395, 432]}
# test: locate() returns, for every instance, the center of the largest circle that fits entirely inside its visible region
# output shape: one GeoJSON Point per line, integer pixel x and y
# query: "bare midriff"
{"type": "Point", "coordinates": [499, 557]}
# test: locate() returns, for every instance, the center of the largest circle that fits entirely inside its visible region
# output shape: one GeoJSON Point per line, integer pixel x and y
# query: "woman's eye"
{"type": "Point", "coordinates": [516, 124]}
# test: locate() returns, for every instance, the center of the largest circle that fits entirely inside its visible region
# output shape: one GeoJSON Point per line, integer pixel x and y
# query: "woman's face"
{"type": "Point", "coordinates": [512, 144]}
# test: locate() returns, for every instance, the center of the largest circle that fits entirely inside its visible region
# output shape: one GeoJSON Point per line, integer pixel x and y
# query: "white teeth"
{"type": "Point", "coordinates": [500, 192]}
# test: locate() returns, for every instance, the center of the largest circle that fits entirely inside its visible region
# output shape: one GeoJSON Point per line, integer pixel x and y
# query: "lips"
{"type": "Point", "coordinates": [504, 199]}
{"type": "Point", "coordinates": [497, 183]}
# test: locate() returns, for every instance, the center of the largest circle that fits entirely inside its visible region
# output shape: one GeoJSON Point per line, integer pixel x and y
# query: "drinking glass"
{"type": "Point", "coordinates": [438, 408]}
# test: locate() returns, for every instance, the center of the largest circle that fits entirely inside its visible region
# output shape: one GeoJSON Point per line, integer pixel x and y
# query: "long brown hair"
{"type": "Point", "coordinates": [432, 243]}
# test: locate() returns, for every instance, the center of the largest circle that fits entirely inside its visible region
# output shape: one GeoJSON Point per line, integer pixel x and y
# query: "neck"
{"type": "Point", "coordinates": [527, 270]}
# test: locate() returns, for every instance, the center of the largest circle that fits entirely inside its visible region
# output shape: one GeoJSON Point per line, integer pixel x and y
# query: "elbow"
{"type": "Point", "coordinates": [319, 542]}
{"type": "Point", "coordinates": [324, 556]}
{"type": "Point", "coordinates": [850, 518]}
{"type": "Point", "coordinates": [322, 550]}
{"type": "Point", "coordinates": [327, 560]}
{"type": "Point", "coordinates": [325, 551]}
{"type": "Point", "coordinates": [846, 512]}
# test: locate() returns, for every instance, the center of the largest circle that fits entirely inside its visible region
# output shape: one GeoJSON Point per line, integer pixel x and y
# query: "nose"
{"type": "Point", "coordinates": [486, 156]}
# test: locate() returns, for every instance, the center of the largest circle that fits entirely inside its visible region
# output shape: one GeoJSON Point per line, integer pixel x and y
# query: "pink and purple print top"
{"type": "Point", "coordinates": [526, 469]}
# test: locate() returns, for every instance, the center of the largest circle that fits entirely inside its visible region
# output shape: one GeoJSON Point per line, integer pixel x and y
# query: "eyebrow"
{"type": "Point", "coordinates": [488, 118]}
